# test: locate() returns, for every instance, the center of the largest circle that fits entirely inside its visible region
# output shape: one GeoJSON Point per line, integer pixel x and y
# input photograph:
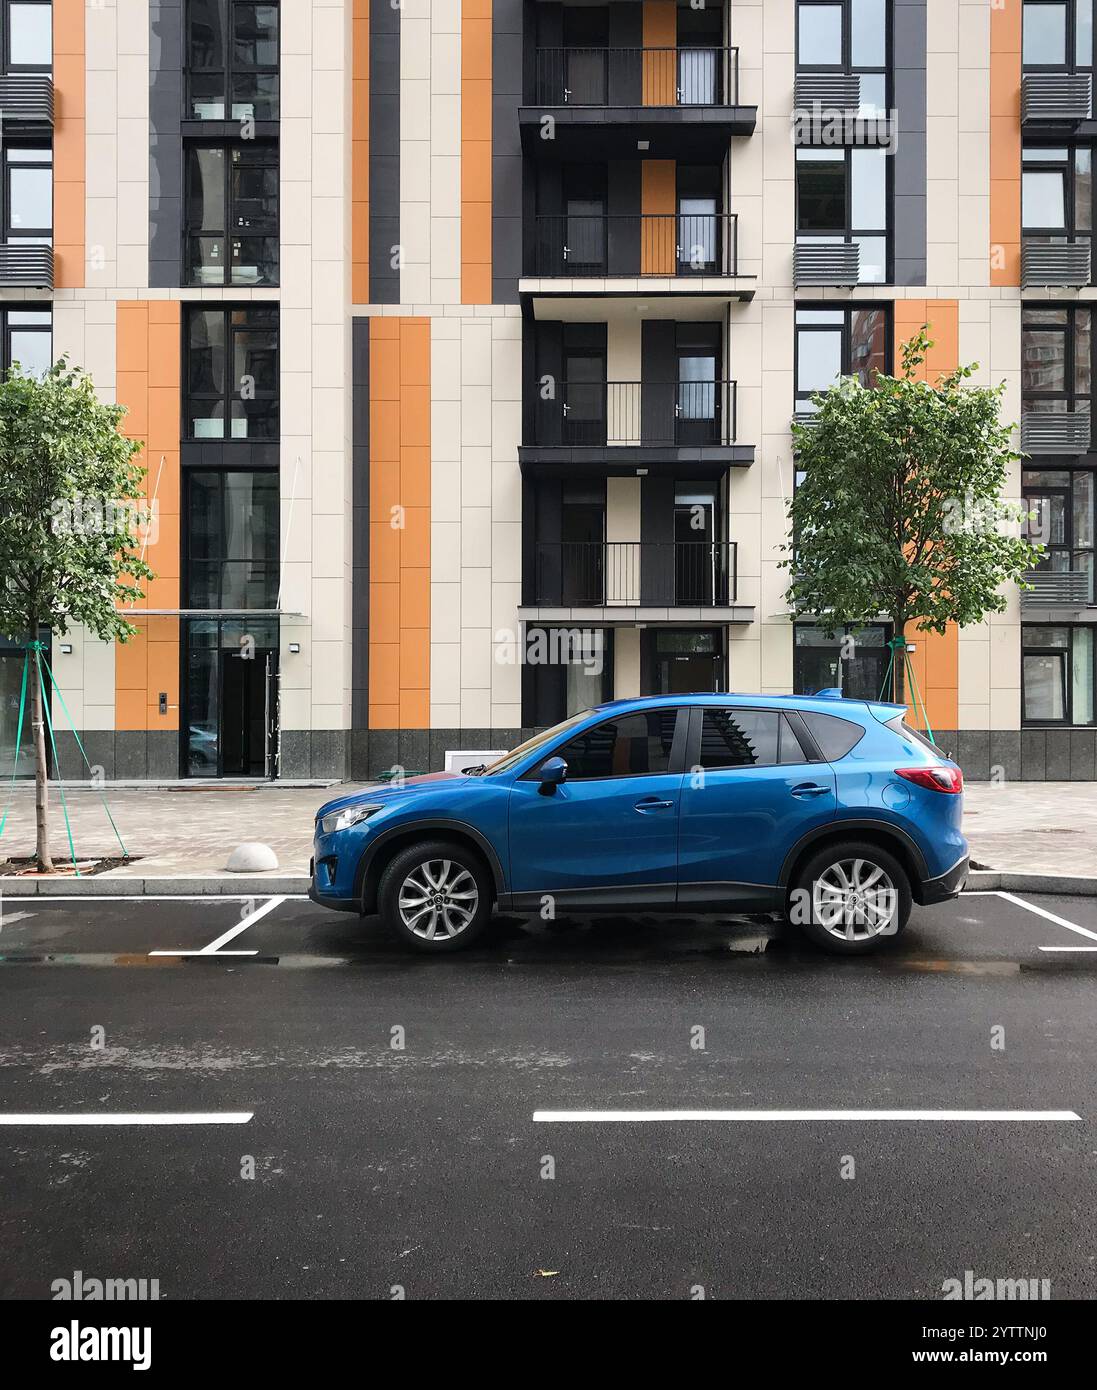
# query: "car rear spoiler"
{"type": "Point", "coordinates": [884, 712]}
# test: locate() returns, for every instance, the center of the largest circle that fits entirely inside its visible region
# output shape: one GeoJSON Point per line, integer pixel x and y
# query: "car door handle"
{"type": "Point", "coordinates": [809, 789]}
{"type": "Point", "coordinates": [652, 803]}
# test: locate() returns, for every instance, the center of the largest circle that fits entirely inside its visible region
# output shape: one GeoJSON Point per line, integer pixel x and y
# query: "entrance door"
{"type": "Point", "coordinates": [231, 698]}
{"type": "Point", "coordinates": [687, 662]}
{"type": "Point", "coordinates": [582, 560]}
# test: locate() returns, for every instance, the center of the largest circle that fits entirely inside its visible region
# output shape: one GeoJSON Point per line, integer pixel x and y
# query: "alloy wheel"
{"type": "Point", "coordinates": [855, 899]}
{"type": "Point", "coordinates": [438, 899]}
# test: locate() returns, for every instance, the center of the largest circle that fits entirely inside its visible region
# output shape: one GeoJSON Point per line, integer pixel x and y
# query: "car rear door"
{"type": "Point", "coordinates": [608, 834]}
{"type": "Point", "coordinates": [751, 790]}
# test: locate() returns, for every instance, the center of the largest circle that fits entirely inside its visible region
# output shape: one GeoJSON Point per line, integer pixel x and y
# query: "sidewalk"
{"type": "Point", "coordinates": [1018, 827]}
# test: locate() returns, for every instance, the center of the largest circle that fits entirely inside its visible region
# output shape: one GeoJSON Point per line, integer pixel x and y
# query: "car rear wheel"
{"type": "Point", "coordinates": [435, 896]}
{"type": "Point", "coordinates": [851, 898]}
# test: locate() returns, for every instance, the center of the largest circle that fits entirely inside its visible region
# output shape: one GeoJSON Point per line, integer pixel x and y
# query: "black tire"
{"type": "Point", "coordinates": [813, 891]}
{"type": "Point", "coordinates": [408, 877]}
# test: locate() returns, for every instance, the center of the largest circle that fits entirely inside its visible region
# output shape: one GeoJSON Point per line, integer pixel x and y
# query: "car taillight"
{"type": "Point", "coordinates": [937, 779]}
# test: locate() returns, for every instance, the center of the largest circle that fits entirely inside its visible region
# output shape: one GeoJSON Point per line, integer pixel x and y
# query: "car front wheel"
{"type": "Point", "coordinates": [435, 897]}
{"type": "Point", "coordinates": [851, 898]}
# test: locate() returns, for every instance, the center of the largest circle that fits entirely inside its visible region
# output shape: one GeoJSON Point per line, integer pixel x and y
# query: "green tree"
{"type": "Point", "coordinates": [70, 543]}
{"type": "Point", "coordinates": [900, 512]}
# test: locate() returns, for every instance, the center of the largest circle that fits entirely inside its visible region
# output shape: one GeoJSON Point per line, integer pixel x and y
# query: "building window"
{"type": "Point", "coordinates": [832, 343]}
{"type": "Point", "coordinates": [232, 60]}
{"type": "Point", "coordinates": [27, 340]}
{"type": "Point", "coordinates": [232, 539]}
{"type": "Point", "coordinates": [1057, 193]}
{"type": "Point", "coordinates": [1057, 674]}
{"type": "Point", "coordinates": [1060, 503]}
{"type": "Point", "coordinates": [232, 373]}
{"type": "Point", "coordinates": [28, 35]}
{"type": "Point", "coordinates": [232, 214]}
{"type": "Point", "coordinates": [842, 196]}
{"type": "Point", "coordinates": [1057, 34]}
{"type": "Point", "coordinates": [1056, 360]}
{"type": "Point", "coordinates": [854, 660]}
{"type": "Point", "coordinates": [28, 194]}
{"type": "Point", "coordinates": [848, 37]}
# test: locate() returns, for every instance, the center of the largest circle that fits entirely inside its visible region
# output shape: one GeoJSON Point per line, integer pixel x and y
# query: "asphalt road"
{"type": "Point", "coordinates": [421, 1168]}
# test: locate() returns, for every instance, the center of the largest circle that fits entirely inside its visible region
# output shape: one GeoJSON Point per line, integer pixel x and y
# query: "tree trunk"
{"type": "Point", "coordinates": [898, 668]}
{"type": "Point", "coordinates": [41, 791]}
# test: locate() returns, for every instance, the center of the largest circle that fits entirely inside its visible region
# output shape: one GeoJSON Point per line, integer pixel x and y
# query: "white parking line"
{"type": "Point", "coordinates": [739, 1116]}
{"type": "Point", "coordinates": [213, 949]}
{"type": "Point", "coordinates": [1050, 916]}
{"type": "Point", "coordinates": [1073, 950]}
{"type": "Point", "coordinates": [163, 1117]}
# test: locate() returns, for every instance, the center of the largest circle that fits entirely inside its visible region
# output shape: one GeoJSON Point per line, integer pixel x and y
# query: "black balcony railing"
{"type": "Point", "coordinates": [26, 98]}
{"type": "Point", "coordinates": [596, 244]}
{"type": "Point", "coordinates": [638, 413]}
{"type": "Point", "coordinates": [26, 265]}
{"type": "Point", "coordinates": [637, 77]}
{"type": "Point", "coordinates": [605, 574]}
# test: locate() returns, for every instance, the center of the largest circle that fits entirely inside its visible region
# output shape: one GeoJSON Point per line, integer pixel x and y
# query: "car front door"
{"type": "Point", "coordinates": [750, 792]}
{"type": "Point", "coordinates": [608, 834]}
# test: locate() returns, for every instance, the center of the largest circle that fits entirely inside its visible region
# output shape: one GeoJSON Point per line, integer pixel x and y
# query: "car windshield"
{"type": "Point", "coordinates": [508, 760]}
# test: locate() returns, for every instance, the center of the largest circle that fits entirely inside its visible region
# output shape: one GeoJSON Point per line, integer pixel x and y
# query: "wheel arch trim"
{"type": "Point", "coordinates": [836, 828]}
{"type": "Point", "coordinates": [420, 829]}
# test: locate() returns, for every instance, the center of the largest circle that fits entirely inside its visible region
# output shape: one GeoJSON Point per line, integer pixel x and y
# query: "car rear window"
{"type": "Point", "coordinates": [834, 736]}
{"type": "Point", "coordinates": [903, 729]}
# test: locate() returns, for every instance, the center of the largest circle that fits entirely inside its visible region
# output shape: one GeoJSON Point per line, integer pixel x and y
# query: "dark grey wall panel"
{"type": "Point", "coordinates": [384, 152]}
{"type": "Point", "coordinates": [506, 150]}
{"type": "Point", "coordinates": [909, 160]}
{"type": "Point", "coordinates": [165, 143]}
{"type": "Point", "coordinates": [360, 525]}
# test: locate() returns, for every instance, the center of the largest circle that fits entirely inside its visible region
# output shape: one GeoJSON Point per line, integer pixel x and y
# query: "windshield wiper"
{"type": "Point", "coordinates": [476, 770]}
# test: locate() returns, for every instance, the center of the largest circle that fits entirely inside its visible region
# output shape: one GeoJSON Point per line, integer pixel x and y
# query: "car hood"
{"type": "Point", "coordinates": [384, 792]}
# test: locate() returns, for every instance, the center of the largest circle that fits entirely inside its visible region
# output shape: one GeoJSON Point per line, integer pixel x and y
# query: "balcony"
{"type": "Point", "coordinates": [1067, 433]}
{"type": "Point", "coordinates": [828, 112]}
{"type": "Point", "coordinates": [615, 103]}
{"type": "Point", "coordinates": [1060, 589]}
{"type": "Point", "coordinates": [698, 248]}
{"type": "Point", "coordinates": [613, 427]}
{"type": "Point", "coordinates": [1062, 264]}
{"type": "Point", "coordinates": [26, 101]}
{"type": "Point", "coordinates": [26, 265]}
{"type": "Point", "coordinates": [1054, 100]}
{"type": "Point", "coordinates": [826, 263]}
{"type": "Point", "coordinates": [633, 574]}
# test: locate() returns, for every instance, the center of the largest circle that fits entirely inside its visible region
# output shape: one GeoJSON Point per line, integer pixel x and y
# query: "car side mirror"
{"type": "Point", "coordinates": [553, 772]}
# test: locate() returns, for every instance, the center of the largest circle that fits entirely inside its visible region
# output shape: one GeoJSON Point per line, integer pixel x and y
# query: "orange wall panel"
{"type": "Point", "coordinates": [360, 152]}
{"type": "Point", "coordinates": [148, 384]}
{"type": "Point", "coordinates": [658, 204]}
{"type": "Point", "coordinates": [69, 144]}
{"type": "Point", "coordinates": [660, 32]}
{"type": "Point", "coordinates": [1005, 142]}
{"type": "Point", "coordinates": [476, 151]}
{"type": "Point", "coordinates": [399, 662]}
{"type": "Point", "coordinates": [935, 658]}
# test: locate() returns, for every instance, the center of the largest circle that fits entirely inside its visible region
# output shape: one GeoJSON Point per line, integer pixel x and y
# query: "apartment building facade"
{"type": "Point", "coordinates": [464, 337]}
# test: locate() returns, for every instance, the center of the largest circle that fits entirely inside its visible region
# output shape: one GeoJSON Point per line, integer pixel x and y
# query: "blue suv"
{"type": "Point", "coordinates": [832, 811]}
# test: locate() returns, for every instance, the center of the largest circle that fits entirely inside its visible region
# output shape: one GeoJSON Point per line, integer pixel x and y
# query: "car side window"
{"type": "Point", "coordinates": [834, 736]}
{"type": "Point", "coordinates": [629, 746]}
{"type": "Point", "coordinates": [747, 738]}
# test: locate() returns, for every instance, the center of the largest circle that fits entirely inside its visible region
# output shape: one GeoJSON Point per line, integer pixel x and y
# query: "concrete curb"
{"type": "Point", "coordinates": [103, 886]}
{"type": "Point", "coordinates": [1070, 885]}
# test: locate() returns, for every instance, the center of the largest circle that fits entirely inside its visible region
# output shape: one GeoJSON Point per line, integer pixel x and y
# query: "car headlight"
{"type": "Point", "coordinates": [348, 816]}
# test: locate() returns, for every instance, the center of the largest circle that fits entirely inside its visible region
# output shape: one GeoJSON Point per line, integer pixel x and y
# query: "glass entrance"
{"type": "Point", "coordinates": [687, 661]}
{"type": "Point", "coordinates": [231, 697]}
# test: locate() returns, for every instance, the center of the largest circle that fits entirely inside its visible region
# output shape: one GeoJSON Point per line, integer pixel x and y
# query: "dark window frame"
{"type": "Point", "coordinates": [188, 561]}
{"type": "Point", "coordinates": [1032, 488]}
{"type": "Point", "coordinates": [847, 234]}
{"type": "Point", "coordinates": [6, 328]}
{"type": "Point", "coordinates": [1071, 65]}
{"type": "Point", "coordinates": [848, 630]}
{"type": "Point", "coordinates": [1068, 328]}
{"type": "Point", "coordinates": [232, 235]}
{"type": "Point", "coordinates": [227, 397]}
{"type": "Point", "coordinates": [847, 310]}
{"type": "Point", "coordinates": [846, 66]}
{"type": "Point", "coordinates": [1067, 722]}
{"type": "Point", "coordinates": [26, 235]}
{"type": "Point", "coordinates": [229, 68]}
{"type": "Point", "coordinates": [5, 39]}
